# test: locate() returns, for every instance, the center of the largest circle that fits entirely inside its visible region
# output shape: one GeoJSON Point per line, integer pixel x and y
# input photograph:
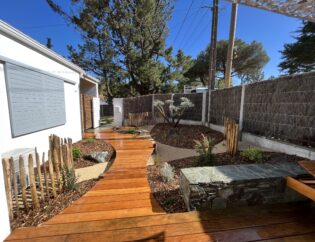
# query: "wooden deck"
{"type": "Point", "coordinates": [120, 208]}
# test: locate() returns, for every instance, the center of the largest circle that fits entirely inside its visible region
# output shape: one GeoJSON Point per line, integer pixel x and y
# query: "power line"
{"type": "Point", "coordinates": [199, 34]}
{"type": "Point", "coordinates": [190, 25]}
{"type": "Point", "coordinates": [181, 26]}
{"type": "Point", "coordinates": [194, 29]}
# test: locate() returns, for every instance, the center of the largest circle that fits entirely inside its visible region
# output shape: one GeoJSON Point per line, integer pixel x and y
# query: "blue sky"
{"type": "Point", "coordinates": [37, 20]}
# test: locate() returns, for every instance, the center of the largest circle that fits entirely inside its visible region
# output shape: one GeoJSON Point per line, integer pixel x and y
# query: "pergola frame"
{"type": "Point", "coordinates": [302, 9]}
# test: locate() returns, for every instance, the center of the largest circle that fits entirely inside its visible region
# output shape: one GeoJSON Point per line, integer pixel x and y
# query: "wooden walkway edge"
{"type": "Point", "coordinates": [121, 208]}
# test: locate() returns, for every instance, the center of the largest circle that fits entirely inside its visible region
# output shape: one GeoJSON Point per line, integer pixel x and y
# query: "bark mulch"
{"type": "Point", "coordinates": [168, 193]}
{"type": "Point", "coordinates": [87, 146]}
{"type": "Point", "coordinates": [184, 135]}
{"type": "Point", "coordinates": [52, 207]}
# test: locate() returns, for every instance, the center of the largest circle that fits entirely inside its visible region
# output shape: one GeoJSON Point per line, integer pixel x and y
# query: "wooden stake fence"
{"type": "Point", "coordinates": [43, 185]}
{"type": "Point", "coordinates": [231, 130]}
{"type": "Point", "coordinates": [138, 119]}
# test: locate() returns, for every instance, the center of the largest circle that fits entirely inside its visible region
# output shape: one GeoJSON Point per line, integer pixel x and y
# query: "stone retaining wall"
{"type": "Point", "coordinates": [238, 185]}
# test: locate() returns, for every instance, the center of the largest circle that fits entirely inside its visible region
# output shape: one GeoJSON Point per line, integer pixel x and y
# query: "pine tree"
{"type": "Point", "coordinates": [123, 41]}
{"type": "Point", "coordinates": [300, 56]}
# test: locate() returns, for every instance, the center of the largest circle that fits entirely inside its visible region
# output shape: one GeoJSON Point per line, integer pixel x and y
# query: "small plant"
{"type": "Point", "coordinates": [90, 140]}
{"type": "Point", "coordinates": [76, 152]}
{"type": "Point", "coordinates": [167, 172]}
{"type": "Point", "coordinates": [109, 120]}
{"type": "Point", "coordinates": [132, 131]}
{"type": "Point", "coordinates": [204, 148]}
{"type": "Point", "coordinates": [69, 179]}
{"type": "Point", "coordinates": [253, 154]}
{"type": "Point", "coordinates": [169, 201]}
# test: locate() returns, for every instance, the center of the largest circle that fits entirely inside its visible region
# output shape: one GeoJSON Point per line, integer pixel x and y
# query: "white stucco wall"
{"type": "Point", "coordinates": [22, 54]}
{"type": "Point", "coordinates": [4, 220]}
{"type": "Point", "coordinates": [96, 112]}
{"type": "Point", "coordinates": [118, 111]}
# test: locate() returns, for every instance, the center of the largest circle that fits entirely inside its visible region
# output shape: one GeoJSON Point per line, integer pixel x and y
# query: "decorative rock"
{"type": "Point", "coordinates": [100, 157]}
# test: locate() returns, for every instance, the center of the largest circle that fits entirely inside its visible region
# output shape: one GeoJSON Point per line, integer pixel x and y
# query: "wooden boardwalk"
{"type": "Point", "coordinates": [121, 208]}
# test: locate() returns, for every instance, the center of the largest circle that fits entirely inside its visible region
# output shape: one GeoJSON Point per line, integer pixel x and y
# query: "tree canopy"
{"type": "Point", "coordinates": [248, 62]}
{"type": "Point", "coordinates": [300, 56]}
{"type": "Point", "coordinates": [123, 41]}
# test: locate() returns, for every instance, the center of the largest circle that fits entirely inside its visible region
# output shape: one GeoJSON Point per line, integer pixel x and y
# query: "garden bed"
{"type": "Point", "coordinates": [168, 193]}
{"type": "Point", "coordinates": [52, 207]}
{"type": "Point", "coordinates": [184, 135]}
{"type": "Point", "coordinates": [88, 146]}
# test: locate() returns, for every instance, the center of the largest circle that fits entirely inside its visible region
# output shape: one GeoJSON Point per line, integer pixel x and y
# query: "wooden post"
{"type": "Point", "coordinates": [56, 162]}
{"type": "Point", "coordinates": [22, 182]}
{"type": "Point", "coordinates": [7, 184]}
{"type": "Point", "coordinates": [231, 130]}
{"type": "Point", "coordinates": [32, 181]}
{"type": "Point", "coordinates": [230, 52]}
{"type": "Point", "coordinates": [15, 187]}
{"type": "Point", "coordinates": [51, 174]}
{"type": "Point", "coordinates": [65, 155]}
{"type": "Point", "coordinates": [39, 175]}
{"type": "Point", "coordinates": [45, 176]}
{"type": "Point", "coordinates": [70, 152]}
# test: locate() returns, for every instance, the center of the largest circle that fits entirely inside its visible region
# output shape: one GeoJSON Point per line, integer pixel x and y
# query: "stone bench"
{"type": "Point", "coordinates": [238, 185]}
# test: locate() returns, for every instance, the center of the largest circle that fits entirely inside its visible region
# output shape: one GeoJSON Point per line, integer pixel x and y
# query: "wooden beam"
{"type": "Point", "coordinates": [301, 188]}
{"type": "Point", "coordinates": [229, 58]}
{"type": "Point", "coordinates": [294, 8]}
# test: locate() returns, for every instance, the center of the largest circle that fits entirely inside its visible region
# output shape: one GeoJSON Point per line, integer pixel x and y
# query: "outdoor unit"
{"type": "Point", "coordinates": [24, 152]}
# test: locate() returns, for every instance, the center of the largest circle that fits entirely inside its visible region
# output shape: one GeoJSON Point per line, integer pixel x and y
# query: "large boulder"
{"type": "Point", "coordinates": [100, 157]}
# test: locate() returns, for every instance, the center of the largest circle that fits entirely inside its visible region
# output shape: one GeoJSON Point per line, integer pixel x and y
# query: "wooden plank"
{"type": "Point", "coordinates": [51, 174]}
{"type": "Point", "coordinates": [112, 198]}
{"type": "Point", "coordinates": [102, 215]}
{"type": "Point", "coordinates": [32, 181]}
{"type": "Point", "coordinates": [15, 186]}
{"type": "Point", "coordinates": [301, 188]}
{"type": "Point", "coordinates": [217, 218]}
{"type": "Point", "coordinates": [22, 182]}
{"type": "Point", "coordinates": [83, 208]}
{"type": "Point", "coordinates": [308, 165]}
{"type": "Point", "coordinates": [39, 176]}
{"type": "Point", "coordinates": [7, 185]}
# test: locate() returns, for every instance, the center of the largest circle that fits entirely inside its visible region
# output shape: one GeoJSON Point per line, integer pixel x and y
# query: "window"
{"type": "Point", "coordinates": [36, 100]}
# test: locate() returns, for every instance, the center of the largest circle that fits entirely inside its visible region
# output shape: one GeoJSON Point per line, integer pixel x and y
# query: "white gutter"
{"type": "Point", "coordinates": [90, 78]}
{"type": "Point", "coordinates": [22, 38]}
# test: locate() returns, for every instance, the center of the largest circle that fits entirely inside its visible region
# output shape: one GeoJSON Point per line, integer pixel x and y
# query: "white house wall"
{"type": "Point", "coordinates": [5, 224]}
{"type": "Point", "coordinates": [29, 57]}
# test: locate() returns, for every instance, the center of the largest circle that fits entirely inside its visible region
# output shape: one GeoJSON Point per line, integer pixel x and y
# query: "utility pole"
{"type": "Point", "coordinates": [229, 58]}
{"type": "Point", "coordinates": [213, 52]}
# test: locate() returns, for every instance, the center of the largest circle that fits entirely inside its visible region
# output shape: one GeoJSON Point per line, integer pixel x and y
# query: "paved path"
{"type": "Point", "coordinates": [120, 208]}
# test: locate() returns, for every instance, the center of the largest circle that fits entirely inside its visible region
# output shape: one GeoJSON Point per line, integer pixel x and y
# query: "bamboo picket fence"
{"type": "Point", "coordinates": [231, 132]}
{"type": "Point", "coordinates": [46, 178]}
{"type": "Point", "coordinates": [138, 119]}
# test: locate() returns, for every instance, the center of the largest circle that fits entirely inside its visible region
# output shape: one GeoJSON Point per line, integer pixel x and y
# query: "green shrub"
{"type": "Point", "coordinates": [204, 148]}
{"type": "Point", "coordinates": [253, 154]}
{"type": "Point", "coordinates": [76, 152]}
{"type": "Point", "coordinates": [132, 131]}
{"type": "Point", "coordinates": [90, 140]}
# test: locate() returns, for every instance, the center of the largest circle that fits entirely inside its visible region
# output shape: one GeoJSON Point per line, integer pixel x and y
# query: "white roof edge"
{"type": "Point", "coordinates": [28, 41]}
{"type": "Point", "coordinates": [90, 78]}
